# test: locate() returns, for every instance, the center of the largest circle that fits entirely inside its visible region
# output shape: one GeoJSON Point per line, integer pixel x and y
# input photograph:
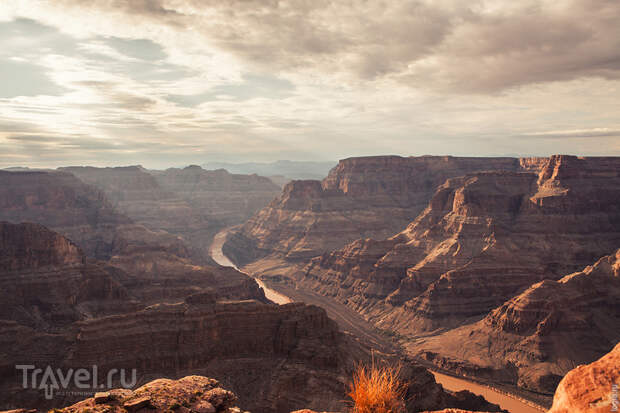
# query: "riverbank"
{"type": "Point", "coordinates": [350, 320]}
{"type": "Point", "coordinates": [218, 256]}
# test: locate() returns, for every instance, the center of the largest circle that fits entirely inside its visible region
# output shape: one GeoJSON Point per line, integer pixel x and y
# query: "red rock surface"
{"type": "Point", "coordinates": [189, 394]}
{"type": "Point", "coordinates": [63, 203]}
{"type": "Point", "coordinates": [361, 197]}
{"type": "Point", "coordinates": [34, 246]}
{"type": "Point", "coordinates": [482, 239]}
{"type": "Point", "coordinates": [192, 203]}
{"type": "Point", "coordinates": [588, 388]}
{"type": "Point", "coordinates": [47, 283]}
{"type": "Point", "coordinates": [536, 337]}
{"type": "Point", "coordinates": [155, 265]}
{"type": "Point", "coordinates": [63, 310]}
{"type": "Point", "coordinates": [452, 411]}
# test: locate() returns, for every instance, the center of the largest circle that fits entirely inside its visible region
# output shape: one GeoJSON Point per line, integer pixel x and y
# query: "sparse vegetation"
{"type": "Point", "coordinates": [377, 390]}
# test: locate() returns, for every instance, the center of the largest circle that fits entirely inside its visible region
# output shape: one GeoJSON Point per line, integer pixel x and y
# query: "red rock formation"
{"type": "Point", "coordinates": [452, 411]}
{"type": "Point", "coordinates": [192, 393]}
{"type": "Point", "coordinates": [542, 333]}
{"type": "Point", "coordinates": [63, 203]}
{"type": "Point", "coordinates": [590, 388]}
{"type": "Point", "coordinates": [29, 246]}
{"type": "Point", "coordinates": [482, 239]}
{"type": "Point", "coordinates": [277, 357]}
{"type": "Point", "coordinates": [190, 202]}
{"type": "Point", "coordinates": [361, 197]}
{"type": "Point", "coordinates": [64, 311]}
{"type": "Point", "coordinates": [46, 282]}
{"type": "Point", "coordinates": [60, 309]}
{"type": "Point", "coordinates": [155, 265]}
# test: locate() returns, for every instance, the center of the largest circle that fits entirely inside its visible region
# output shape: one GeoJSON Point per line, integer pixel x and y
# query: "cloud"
{"type": "Point", "coordinates": [251, 86]}
{"type": "Point", "coordinates": [143, 49]}
{"type": "Point", "coordinates": [32, 138]}
{"type": "Point", "coordinates": [482, 46]}
{"type": "Point", "coordinates": [109, 81]}
{"type": "Point", "coordinates": [580, 133]}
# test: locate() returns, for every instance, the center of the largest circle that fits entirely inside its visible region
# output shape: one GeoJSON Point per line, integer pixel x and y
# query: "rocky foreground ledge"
{"type": "Point", "coordinates": [586, 389]}
{"type": "Point", "coordinates": [195, 394]}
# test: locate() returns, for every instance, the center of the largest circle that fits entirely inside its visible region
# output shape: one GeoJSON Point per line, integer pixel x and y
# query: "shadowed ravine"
{"type": "Point", "coordinates": [349, 320]}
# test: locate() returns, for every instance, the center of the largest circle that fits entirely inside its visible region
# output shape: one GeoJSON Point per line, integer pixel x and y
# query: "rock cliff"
{"type": "Point", "coordinates": [482, 239]}
{"type": "Point", "coordinates": [46, 282]}
{"type": "Point", "coordinates": [191, 202]}
{"type": "Point", "coordinates": [587, 388]}
{"type": "Point", "coordinates": [361, 197]}
{"type": "Point", "coordinates": [590, 388]}
{"type": "Point", "coordinates": [155, 264]}
{"type": "Point", "coordinates": [536, 337]}
{"type": "Point", "coordinates": [63, 310]}
{"type": "Point", "coordinates": [63, 203]}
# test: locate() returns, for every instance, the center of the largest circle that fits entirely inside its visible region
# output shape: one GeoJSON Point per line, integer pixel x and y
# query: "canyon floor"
{"type": "Point", "coordinates": [509, 398]}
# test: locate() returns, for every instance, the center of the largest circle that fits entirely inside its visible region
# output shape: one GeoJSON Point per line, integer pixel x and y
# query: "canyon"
{"type": "Point", "coordinates": [469, 245]}
{"type": "Point", "coordinates": [536, 337]}
{"type": "Point", "coordinates": [189, 202]}
{"type": "Point", "coordinates": [499, 270]}
{"type": "Point", "coordinates": [67, 310]}
{"type": "Point", "coordinates": [155, 264]}
{"type": "Point", "coordinates": [361, 197]}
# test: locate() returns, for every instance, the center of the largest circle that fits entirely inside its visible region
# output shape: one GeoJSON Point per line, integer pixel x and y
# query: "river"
{"type": "Point", "coordinates": [218, 256]}
{"type": "Point", "coordinates": [505, 401]}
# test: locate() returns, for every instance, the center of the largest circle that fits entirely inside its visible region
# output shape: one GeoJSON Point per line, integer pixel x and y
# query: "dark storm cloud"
{"type": "Point", "coordinates": [462, 47]}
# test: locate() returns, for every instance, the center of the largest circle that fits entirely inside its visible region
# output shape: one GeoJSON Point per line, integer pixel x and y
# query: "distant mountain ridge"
{"type": "Point", "coordinates": [288, 169]}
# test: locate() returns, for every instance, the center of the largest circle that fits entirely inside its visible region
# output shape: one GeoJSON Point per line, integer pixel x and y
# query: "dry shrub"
{"type": "Point", "coordinates": [377, 390]}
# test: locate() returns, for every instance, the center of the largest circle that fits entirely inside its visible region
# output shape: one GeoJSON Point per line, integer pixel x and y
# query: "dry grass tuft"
{"type": "Point", "coordinates": [377, 390]}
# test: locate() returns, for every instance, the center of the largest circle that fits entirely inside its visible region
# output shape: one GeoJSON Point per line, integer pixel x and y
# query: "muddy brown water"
{"type": "Point", "coordinates": [505, 401]}
{"type": "Point", "coordinates": [219, 257]}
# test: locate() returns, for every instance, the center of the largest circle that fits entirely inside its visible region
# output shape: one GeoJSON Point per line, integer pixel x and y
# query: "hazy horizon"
{"type": "Point", "coordinates": [204, 165]}
{"type": "Point", "coordinates": [176, 82]}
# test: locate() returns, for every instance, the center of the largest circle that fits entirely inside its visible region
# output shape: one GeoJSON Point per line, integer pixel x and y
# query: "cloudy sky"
{"type": "Point", "coordinates": [172, 82]}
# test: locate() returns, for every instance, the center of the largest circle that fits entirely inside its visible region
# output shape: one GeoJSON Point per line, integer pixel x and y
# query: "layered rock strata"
{"type": "Point", "coordinates": [155, 264]}
{"type": "Point", "coordinates": [361, 197]}
{"type": "Point", "coordinates": [535, 338]}
{"type": "Point", "coordinates": [191, 202]}
{"type": "Point", "coordinates": [482, 239]}
{"type": "Point", "coordinates": [69, 312]}
{"type": "Point", "coordinates": [591, 388]}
